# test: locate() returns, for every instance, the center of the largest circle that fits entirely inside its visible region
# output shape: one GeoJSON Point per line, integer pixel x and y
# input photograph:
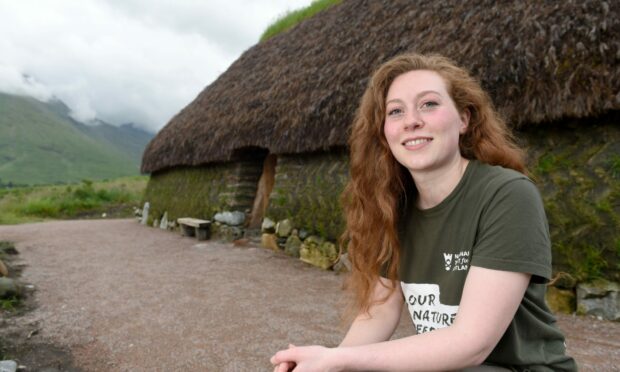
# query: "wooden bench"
{"type": "Point", "coordinates": [195, 227]}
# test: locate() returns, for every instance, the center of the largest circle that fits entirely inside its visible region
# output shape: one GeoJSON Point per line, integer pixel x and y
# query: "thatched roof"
{"type": "Point", "coordinates": [297, 92]}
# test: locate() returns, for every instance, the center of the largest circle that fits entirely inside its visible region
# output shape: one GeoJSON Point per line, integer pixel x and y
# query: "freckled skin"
{"type": "Point", "coordinates": [418, 106]}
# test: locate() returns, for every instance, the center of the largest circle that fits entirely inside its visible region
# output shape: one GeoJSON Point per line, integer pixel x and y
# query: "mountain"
{"type": "Point", "coordinates": [41, 144]}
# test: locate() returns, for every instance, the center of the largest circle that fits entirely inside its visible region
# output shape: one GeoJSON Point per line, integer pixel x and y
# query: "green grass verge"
{"type": "Point", "coordinates": [291, 18]}
{"type": "Point", "coordinates": [38, 203]}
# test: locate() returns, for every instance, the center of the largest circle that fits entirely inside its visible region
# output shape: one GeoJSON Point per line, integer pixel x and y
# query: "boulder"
{"type": "Point", "coordinates": [163, 224]}
{"type": "Point", "coordinates": [235, 218]}
{"type": "Point", "coordinates": [268, 226]}
{"type": "Point", "coordinates": [560, 300]}
{"type": "Point", "coordinates": [8, 288]}
{"type": "Point", "coordinates": [284, 228]}
{"type": "Point", "coordinates": [318, 252]}
{"type": "Point", "coordinates": [230, 233]}
{"type": "Point", "coordinates": [599, 298]}
{"type": "Point", "coordinates": [303, 234]}
{"type": "Point", "coordinates": [3, 270]}
{"type": "Point", "coordinates": [292, 246]}
{"type": "Point", "coordinates": [8, 366]}
{"type": "Point", "coordinates": [145, 213]}
{"type": "Point", "coordinates": [269, 241]}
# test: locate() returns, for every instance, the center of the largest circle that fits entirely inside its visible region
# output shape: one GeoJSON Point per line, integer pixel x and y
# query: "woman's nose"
{"type": "Point", "coordinates": [413, 121]}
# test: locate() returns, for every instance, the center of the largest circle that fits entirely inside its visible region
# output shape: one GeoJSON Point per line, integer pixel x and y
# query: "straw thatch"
{"type": "Point", "coordinates": [297, 92]}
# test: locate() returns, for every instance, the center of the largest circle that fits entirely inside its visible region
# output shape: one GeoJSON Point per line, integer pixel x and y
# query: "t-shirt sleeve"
{"type": "Point", "coordinates": [513, 234]}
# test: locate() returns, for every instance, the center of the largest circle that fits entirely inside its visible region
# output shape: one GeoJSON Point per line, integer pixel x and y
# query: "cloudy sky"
{"type": "Point", "coordinates": [125, 61]}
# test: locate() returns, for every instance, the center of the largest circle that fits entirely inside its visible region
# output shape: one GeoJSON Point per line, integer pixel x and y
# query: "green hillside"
{"type": "Point", "coordinates": [125, 138]}
{"type": "Point", "coordinates": [40, 145]}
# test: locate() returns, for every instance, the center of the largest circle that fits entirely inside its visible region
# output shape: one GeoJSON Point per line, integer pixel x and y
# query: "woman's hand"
{"type": "Point", "coordinates": [305, 359]}
{"type": "Point", "coordinates": [284, 366]}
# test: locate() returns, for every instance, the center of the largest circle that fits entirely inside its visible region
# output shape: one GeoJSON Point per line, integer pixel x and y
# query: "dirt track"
{"type": "Point", "coordinates": [125, 297]}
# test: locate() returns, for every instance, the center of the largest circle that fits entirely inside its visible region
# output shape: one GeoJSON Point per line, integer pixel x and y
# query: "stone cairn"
{"type": "Point", "coordinates": [312, 249]}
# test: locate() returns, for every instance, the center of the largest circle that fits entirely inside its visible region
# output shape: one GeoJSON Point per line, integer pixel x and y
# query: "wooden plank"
{"type": "Point", "coordinates": [194, 222]}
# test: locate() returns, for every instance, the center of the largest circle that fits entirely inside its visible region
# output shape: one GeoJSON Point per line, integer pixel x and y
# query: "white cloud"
{"type": "Point", "coordinates": [126, 61]}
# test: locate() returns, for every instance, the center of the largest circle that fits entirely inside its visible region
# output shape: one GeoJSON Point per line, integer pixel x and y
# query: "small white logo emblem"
{"type": "Point", "coordinates": [448, 258]}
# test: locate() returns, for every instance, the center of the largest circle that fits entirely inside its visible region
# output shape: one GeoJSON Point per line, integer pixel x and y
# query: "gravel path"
{"type": "Point", "coordinates": [125, 297]}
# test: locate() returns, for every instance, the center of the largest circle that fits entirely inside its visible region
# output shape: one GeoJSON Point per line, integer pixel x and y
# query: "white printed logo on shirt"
{"type": "Point", "coordinates": [457, 261]}
{"type": "Point", "coordinates": [426, 311]}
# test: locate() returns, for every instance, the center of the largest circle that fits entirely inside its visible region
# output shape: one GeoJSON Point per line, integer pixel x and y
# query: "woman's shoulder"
{"type": "Point", "coordinates": [490, 180]}
{"type": "Point", "coordinates": [496, 175]}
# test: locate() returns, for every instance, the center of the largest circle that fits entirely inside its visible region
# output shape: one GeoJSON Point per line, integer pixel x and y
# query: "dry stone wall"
{"type": "Point", "coordinates": [200, 192]}
{"type": "Point", "coordinates": [307, 191]}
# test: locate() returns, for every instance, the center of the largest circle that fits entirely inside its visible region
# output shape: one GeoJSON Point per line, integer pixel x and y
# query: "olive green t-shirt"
{"type": "Point", "coordinates": [494, 218]}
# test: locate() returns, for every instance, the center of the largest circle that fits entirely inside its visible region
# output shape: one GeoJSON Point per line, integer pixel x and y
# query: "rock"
{"type": "Point", "coordinates": [564, 281]}
{"type": "Point", "coordinates": [155, 222]}
{"type": "Point", "coordinates": [235, 218]}
{"type": "Point", "coordinates": [230, 233]}
{"type": "Point", "coordinates": [284, 228]}
{"type": "Point", "coordinates": [145, 213]}
{"type": "Point", "coordinates": [163, 224]}
{"type": "Point", "coordinates": [8, 366]}
{"type": "Point", "coordinates": [269, 241]}
{"type": "Point", "coordinates": [292, 246]}
{"type": "Point", "coordinates": [252, 234]}
{"type": "Point", "coordinates": [343, 264]}
{"type": "Point", "coordinates": [172, 225]}
{"type": "Point", "coordinates": [303, 234]}
{"type": "Point", "coordinates": [599, 298]}
{"type": "Point", "coordinates": [317, 252]}
{"type": "Point", "coordinates": [7, 247]}
{"type": "Point", "coordinates": [8, 288]}
{"type": "Point", "coordinates": [268, 226]}
{"type": "Point", "coordinates": [560, 300]}
{"type": "Point", "coordinates": [3, 270]}
{"type": "Point", "coordinates": [281, 242]}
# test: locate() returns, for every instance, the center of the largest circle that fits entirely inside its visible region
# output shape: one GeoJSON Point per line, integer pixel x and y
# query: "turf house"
{"type": "Point", "coordinates": [269, 136]}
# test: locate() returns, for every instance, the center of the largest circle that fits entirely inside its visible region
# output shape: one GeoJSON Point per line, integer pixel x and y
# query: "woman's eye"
{"type": "Point", "coordinates": [429, 104]}
{"type": "Point", "coordinates": [395, 111]}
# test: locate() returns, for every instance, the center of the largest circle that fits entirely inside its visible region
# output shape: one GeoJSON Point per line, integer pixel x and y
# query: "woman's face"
{"type": "Point", "coordinates": [422, 125]}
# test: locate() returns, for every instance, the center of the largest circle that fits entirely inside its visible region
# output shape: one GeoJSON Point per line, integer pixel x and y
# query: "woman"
{"type": "Point", "coordinates": [440, 213]}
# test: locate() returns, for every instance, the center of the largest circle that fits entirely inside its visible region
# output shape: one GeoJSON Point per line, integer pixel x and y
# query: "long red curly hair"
{"type": "Point", "coordinates": [375, 194]}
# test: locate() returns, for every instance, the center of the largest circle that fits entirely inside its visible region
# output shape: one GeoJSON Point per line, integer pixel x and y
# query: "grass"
{"type": "Point", "coordinates": [9, 304]}
{"type": "Point", "coordinates": [291, 18]}
{"type": "Point", "coordinates": [614, 166]}
{"type": "Point", "coordinates": [87, 198]}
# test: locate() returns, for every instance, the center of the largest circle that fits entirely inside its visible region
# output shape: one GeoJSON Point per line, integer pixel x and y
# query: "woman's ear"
{"type": "Point", "coordinates": [465, 115]}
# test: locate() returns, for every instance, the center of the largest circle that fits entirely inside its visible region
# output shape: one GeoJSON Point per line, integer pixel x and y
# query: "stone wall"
{"type": "Point", "coordinates": [307, 191]}
{"type": "Point", "coordinates": [577, 168]}
{"type": "Point", "coordinates": [200, 192]}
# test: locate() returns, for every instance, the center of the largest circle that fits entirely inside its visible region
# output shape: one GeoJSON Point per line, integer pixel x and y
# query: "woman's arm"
{"type": "Point", "coordinates": [488, 304]}
{"type": "Point", "coordinates": [382, 320]}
